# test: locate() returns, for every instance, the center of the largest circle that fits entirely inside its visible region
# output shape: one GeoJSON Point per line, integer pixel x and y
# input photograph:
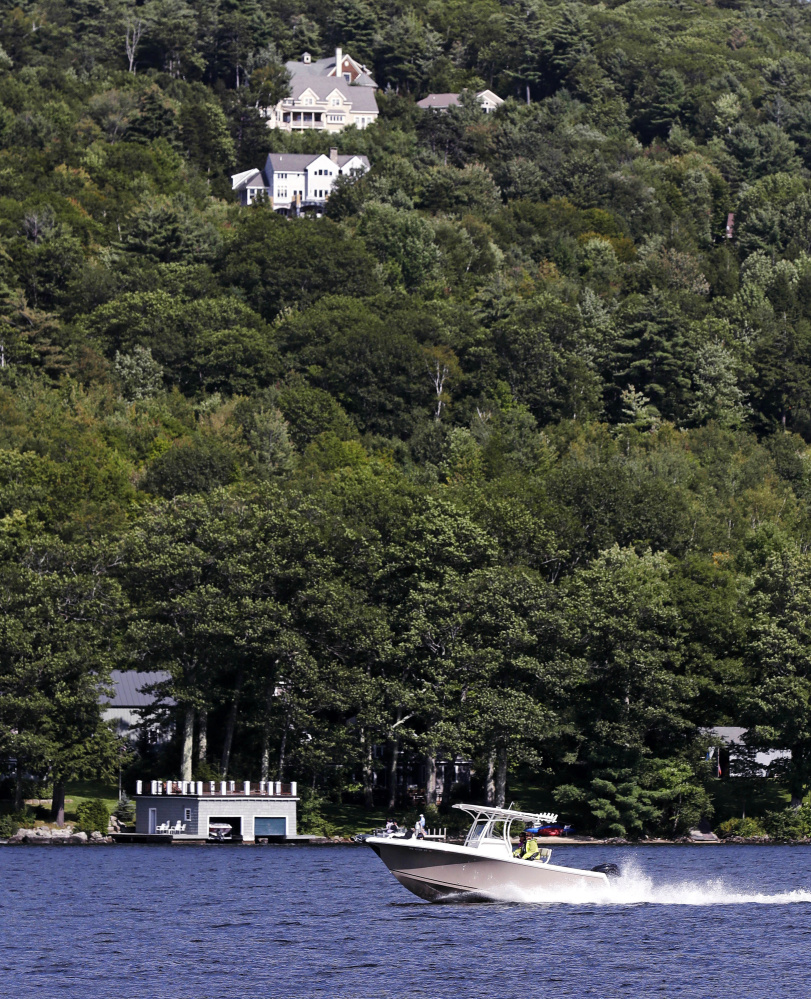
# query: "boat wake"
{"type": "Point", "coordinates": [637, 888]}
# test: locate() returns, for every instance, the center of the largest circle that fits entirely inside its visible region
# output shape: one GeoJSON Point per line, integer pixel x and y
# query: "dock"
{"type": "Point", "coordinates": [179, 839]}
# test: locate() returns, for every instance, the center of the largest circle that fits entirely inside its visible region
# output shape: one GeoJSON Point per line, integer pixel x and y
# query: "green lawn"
{"type": "Point", "coordinates": [351, 819]}
{"type": "Point", "coordinates": [78, 791]}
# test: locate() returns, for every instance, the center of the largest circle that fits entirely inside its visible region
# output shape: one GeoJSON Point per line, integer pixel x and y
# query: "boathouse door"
{"type": "Point", "coordinates": [275, 826]}
{"type": "Point", "coordinates": [153, 821]}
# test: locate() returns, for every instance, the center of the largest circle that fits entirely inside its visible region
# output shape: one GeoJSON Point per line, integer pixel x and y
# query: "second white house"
{"type": "Point", "coordinates": [293, 182]}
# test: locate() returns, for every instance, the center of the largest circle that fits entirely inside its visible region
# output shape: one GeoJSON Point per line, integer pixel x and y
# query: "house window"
{"type": "Point", "coordinates": [348, 77]}
{"type": "Point", "coordinates": [336, 101]}
{"type": "Point", "coordinates": [308, 101]}
{"type": "Point", "coordinates": [187, 815]}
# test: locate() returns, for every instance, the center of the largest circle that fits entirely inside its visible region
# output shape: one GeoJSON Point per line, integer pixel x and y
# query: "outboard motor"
{"type": "Point", "coordinates": [610, 870]}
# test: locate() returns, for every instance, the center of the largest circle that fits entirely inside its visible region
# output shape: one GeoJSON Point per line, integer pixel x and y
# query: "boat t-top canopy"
{"type": "Point", "coordinates": [480, 812]}
{"type": "Point", "coordinates": [484, 833]}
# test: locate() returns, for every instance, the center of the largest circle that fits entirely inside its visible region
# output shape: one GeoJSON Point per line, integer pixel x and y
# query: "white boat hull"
{"type": "Point", "coordinates": [435, 871]}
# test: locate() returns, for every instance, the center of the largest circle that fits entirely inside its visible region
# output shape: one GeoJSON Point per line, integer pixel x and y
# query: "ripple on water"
{"type": "Point", "coordinates": [281, 923]}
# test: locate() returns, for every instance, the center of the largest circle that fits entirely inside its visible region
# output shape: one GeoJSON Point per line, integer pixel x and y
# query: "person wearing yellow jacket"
{"type": "Point", "coordinates": [528, 848]}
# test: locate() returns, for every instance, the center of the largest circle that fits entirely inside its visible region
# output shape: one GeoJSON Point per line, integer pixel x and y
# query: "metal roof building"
{"type": "Point", "coordinates": [131, 696]}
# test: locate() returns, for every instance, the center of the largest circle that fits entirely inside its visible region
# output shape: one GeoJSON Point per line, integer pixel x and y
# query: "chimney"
{"type": "Point", "coordinates": [333, 154]}
{"type": "Point", "coordinates": [339, 62]}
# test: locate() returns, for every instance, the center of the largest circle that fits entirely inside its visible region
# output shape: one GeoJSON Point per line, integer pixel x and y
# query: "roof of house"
{"type": "Point", "coordinates": [323, 67]}
{"type": "Point", "coordinates": [300, 161]}
{"type": "Point", "coordinates": [245, 178]}
{"type": "Point", "coordinates": [291, 161]}
{"type": "Point", "coordinates": [729, 733]}
{"type": "Point", "coordinates": [438, 101]}
{"type": "Point", "coordinates": [361, 98]}
{"type": "Point", "coordinates": [129, 689]}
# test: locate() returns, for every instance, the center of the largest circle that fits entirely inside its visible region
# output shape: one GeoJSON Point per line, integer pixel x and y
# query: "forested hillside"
{"type": "Point", "coordinates": [506, 457]}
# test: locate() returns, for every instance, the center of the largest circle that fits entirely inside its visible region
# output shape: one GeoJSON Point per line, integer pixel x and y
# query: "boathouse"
{"type": "Point", "coordinates": [232, 810]}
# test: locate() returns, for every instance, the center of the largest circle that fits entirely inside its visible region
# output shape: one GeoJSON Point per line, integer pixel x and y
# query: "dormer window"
{"type": "Point", "coordinates": [306, 58]}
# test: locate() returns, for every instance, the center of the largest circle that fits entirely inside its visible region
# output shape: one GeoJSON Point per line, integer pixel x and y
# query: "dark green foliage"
{"type": "Point", "coordinates": [92, 816]}
{"type": "Point", "coordinates": [124, 811]}
{"type": "Point", "coordinates": [278, 265]}
{"type": "Point", "coordinates": [506, 457]}
{"type": "Point", "coordinates": [192, 465]}
{"type": "Point", "coordinates": [12, 822]}
{"type": "Point", "coordinates": [791, 823]}
{"type": "Point", "coordinates": [740, 827]}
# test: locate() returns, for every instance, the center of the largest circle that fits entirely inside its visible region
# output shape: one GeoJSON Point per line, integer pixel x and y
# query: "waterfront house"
{"type": "Point", "coordinates": [293, 182]}
{"type": "Point", "coordinates": [736, 759]}
{"type": "Point", "coordinates": [326, 95]}
{"type": "Point", "coordinates": [236, 810]}
{"type": "Point", "coordinates": [441, 102]}
{"type": "Point", "coordinates": [132, 705]}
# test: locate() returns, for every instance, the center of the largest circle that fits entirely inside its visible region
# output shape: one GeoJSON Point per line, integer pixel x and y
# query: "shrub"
{"type": "Point", "coordinates": [14, 821]}
{"type": "Point", "coordinates": [790, 823]}
{"type": "Point", "coordinates": [124, 811]}
{"type": "Point", "coordinates": [8, 826]}
{"type": "Point", "coordinates": [311, 819]}
{"type": "Point", "coordinates": [740, 827]}
{"type": "Point", "coordinates": [92, 816]}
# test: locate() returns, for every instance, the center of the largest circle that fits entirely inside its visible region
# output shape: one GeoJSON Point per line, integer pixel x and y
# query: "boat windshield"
{"type": "Point", "coordinates": [476, 832]}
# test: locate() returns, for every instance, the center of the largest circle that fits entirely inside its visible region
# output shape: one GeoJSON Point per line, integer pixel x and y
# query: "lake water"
{"type": "Point", "coordinates": [285, 922]}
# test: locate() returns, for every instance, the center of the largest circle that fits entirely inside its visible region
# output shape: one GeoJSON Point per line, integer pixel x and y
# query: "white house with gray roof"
{"type": "Point", "coordinates": [132, 700]}
{"type": "Point", "coordinates": [295, 181]}
{"type": "Point", "coordinates": [441, 102]}
{"type": "Point", "coordinates": [326, 95]}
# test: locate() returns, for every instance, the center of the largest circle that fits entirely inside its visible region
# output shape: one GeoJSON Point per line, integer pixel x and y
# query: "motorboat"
{"type": "Point", "coordinates": [484, 867]}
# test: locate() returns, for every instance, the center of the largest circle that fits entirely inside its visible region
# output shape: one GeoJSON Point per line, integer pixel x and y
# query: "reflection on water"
{"type": "Point", "coordinates": [289, 922]}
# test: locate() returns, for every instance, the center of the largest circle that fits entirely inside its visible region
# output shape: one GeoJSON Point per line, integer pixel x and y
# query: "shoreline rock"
{"type": "Point", "coordinates": [44, 836]}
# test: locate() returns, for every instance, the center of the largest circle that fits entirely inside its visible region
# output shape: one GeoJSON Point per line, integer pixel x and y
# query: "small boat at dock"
{"type": "Point", "coordinates": [484, 867]}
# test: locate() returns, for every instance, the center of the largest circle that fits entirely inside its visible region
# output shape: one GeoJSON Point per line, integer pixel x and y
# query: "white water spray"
{"type": "Point", "coordinates": [637, 888]}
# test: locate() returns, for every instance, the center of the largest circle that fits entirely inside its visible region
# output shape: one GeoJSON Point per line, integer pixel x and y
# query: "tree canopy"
{"type": "Point", "coordinates": [504, 458]}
